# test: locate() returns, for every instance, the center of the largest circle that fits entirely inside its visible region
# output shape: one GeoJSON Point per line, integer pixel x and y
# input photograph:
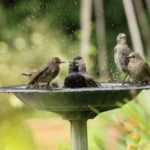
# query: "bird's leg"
{"type": "Point", "coordinates": [138, 83]}
{"type": "Point", "coordinates": [28, 86]}
{"type": "Point", "coordinates": [48, 85]}
{"type": "Point", "coordinates": [36, 85]}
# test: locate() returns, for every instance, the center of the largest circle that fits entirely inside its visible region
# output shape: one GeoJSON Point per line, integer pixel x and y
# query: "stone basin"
{"type": "Point", "coordinates": [77, 105]}
{"type": "Point", "coordinates": [104, 98]}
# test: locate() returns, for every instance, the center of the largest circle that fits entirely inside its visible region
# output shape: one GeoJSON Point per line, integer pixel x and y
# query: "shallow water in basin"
{"type": "Point", "coordinates": [104, 87]}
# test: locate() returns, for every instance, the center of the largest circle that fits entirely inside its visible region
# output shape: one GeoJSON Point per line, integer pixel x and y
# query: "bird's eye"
{"type": "Point", "coordinates": [132, 57]}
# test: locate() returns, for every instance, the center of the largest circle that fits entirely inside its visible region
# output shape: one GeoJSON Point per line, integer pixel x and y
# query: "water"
{"type": "Point", "coordinates": [103, 87]}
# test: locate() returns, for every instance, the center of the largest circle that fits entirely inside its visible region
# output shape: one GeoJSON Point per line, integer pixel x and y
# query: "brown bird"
{"type": "Point", "coordinates": [121, 51]}
{"type": "Point", "coordinates": [138, 69]}
{"type": "Point", "coordinates": [47, 73]}
{"type": "Point", "coordinates": [77, 76]}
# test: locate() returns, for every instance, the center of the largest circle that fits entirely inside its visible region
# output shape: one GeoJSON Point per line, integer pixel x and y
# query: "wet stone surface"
{"type": "Point", "coordinates": [103, 98]}
{"type": "Point", "coordinates": [103, 87]}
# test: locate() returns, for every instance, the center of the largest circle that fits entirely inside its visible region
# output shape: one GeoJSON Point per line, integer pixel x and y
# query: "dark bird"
{"type": "Point", "coordinates": [138, 69]}
{"type": "Point", "coordinates": [77, 76]}
{"type": "Point", "coordinates": [46, 74]}
{"type": "Point", "coordinates": [82, 69]}
{"type": "Point", "coordinates": [121, 51]}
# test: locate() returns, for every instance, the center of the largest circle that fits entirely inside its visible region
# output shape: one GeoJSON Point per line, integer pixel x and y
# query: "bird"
{"type": "Point", "coordinates": [121, 51]}
{"type": "Point", "coordinates": [77, 77]}
{"type": "Point", "coordinates": [82, 69]}
{"type": "Point", "coordinates": [30, 74]}
{"type": "Point", "coordinates": [74, 79]}
{"type": "Point", "coordinates": [46, 73]}
{"type": "Point", "coordinates": [139, 70]}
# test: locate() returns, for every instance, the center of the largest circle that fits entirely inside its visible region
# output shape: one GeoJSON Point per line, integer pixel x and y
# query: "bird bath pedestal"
{"type": "Point", "coordinates": [76, 105]}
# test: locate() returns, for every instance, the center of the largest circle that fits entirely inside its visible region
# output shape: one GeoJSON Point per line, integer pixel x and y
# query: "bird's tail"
{"type": "Point", "coordinates": [26, 74]}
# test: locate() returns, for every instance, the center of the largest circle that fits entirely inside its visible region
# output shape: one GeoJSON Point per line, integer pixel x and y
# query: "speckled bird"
{"type": "Point", "coordinates": [46, 74]}
{"type": "Point", "coordinates": [138, 69]}
{"type": "Point", "coordinates": [121, 51]}
{"type": "Point", "coordinates": [78, 76]}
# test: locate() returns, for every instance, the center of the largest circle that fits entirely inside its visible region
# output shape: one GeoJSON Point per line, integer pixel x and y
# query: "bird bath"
{"type": "Point", "coordinates": [77, 105]}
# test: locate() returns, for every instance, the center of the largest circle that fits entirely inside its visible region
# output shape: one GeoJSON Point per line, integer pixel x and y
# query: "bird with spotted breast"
{"type": "Point", "coordinates": [138, 69]}
{"type": "Point", "coordinates": [46, 73]}
{"type": "Point", "coordinates": [121, 51]}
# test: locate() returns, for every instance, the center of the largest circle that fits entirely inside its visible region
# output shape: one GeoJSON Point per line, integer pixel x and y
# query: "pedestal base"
{"type": "Point", "coordinates": [78, 122]}
{"type": "Point", "coordinates": [79, 134]}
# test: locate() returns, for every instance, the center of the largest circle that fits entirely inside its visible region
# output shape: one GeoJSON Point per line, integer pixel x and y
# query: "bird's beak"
{"type": "Point", "coordinates": [62, 62]}
{"type": "Point", "coordinates": [129, 57]}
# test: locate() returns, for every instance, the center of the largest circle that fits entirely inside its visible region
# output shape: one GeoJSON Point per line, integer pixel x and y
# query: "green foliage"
{"type": "Point", "coordinates": [124, 128]}
{"type": "Point", "coordinates": [15, 136]}
{"type": "Point", "coordinates": [27, 41]}
{"type": "Point", "coordinates": [63, 146]}
{"type": "Point", "coordinates": [13, 132]}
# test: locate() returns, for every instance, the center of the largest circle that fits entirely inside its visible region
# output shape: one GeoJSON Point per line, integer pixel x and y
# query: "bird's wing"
{"type": "Point", "coordinates": [37, 75]}
{"type": "Point", "coordinates": [90, 81]}
{"type": "Point", "coordinates": [115, 54]}
{"type": "Point", "coordinates": [129, 50]}
{"type": "Point", "coordinates": [26, 74]}
{"type": "Point", "coordinates": [54, 71]}
{"type": "Point", "coordinates": [115, 49]}
{"type": "Point", "coordinates": [147, 68]}
{"type": "Point", "coordinates": [75, 80]}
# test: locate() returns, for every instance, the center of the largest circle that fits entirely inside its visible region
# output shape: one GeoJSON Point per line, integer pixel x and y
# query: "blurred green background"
{"type": "Point", "coordinates": [30, 33]}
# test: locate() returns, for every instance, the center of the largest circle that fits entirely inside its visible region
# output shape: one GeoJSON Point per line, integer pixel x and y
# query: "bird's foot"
{"type": "Point", "coordinates": [28, 86]}
{"type": "Point", "coordinates": [139, 83]}
{"type": "Point", "coordinates": [32, 86]}
{"type": "Point", "coordinates": [49, 86]}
